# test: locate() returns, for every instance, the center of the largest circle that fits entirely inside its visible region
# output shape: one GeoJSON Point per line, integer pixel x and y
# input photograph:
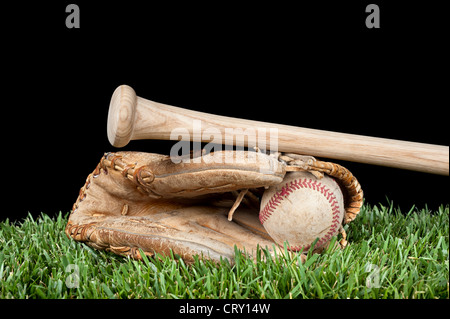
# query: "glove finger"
{"type": "Point", "coordinates": [231, 170]}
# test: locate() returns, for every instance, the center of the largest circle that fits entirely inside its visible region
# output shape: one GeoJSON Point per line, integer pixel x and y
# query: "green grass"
{"type": "Point", "coordinates": [390, 255]}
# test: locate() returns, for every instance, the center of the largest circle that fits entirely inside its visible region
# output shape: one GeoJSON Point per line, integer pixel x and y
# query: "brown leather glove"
{"type": "Point", "coordinates": [201, 206]}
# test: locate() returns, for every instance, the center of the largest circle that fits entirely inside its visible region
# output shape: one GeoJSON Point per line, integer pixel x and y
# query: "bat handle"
{"type": "Point", "coordinates": [121, 115]}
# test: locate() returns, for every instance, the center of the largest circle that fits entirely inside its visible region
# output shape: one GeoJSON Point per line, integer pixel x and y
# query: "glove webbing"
{"type": "Point", "coordinates": [353, 194]}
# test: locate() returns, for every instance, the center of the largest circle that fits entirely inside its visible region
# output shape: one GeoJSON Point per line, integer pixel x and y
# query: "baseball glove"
{"type": "Point", "coordinates": [203, 205]}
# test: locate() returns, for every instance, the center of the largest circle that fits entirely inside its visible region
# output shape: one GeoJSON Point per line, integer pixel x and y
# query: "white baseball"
{"type": "Point", "coordinates": [301, 209]}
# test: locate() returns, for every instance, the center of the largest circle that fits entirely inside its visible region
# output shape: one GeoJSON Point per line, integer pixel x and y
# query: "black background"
{"type": "Point", "coordinates": [313, 64]}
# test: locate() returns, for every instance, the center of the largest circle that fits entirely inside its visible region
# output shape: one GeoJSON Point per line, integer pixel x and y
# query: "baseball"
{"type": "Point", "coordinates": [301, 209]}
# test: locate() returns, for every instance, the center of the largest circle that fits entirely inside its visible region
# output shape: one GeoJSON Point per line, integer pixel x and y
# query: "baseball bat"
{"type": "Point", "coordinates": [131, 117]}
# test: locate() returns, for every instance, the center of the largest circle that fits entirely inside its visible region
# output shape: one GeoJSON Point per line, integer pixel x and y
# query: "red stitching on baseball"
{"type": "Point", "coordinates": [286, 190]}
